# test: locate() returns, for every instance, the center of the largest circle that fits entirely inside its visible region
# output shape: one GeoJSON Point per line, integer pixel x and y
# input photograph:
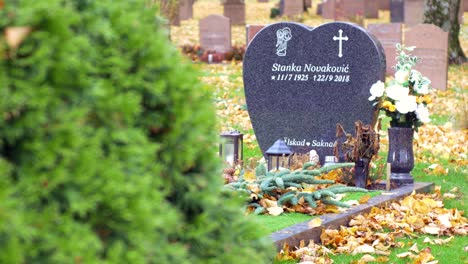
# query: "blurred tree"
{"type": "Point", "coordinates": [107, 143]}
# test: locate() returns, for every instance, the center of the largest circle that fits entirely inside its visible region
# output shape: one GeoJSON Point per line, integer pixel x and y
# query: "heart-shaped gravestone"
{"type": "Point", "coordinates": [300, 82]}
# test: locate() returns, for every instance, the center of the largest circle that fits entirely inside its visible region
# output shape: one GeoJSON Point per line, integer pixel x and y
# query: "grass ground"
{"type": "Point", "coordinates": [440, 148]}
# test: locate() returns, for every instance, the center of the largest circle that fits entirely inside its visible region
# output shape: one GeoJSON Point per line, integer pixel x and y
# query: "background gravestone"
{"type": "Point", "coordinates": [291, 7]}
{"type": "Point", "coordinates": [389, 35]}
{"type": "Point", "coordinates": [371, 9]}
{"type": "Point", "coordinates": [300, 82]}
{"type": "Point", "coordinates": [251, 31]}
{"type": "Point", "coordinates": [355, 8]}
{"type": "Point", "coordinates": [235, 10]}
{"type": "Point", "coordinates": [384, 4]}
{"type": "Point", "coordinates": [328, 9]}
{"type": "Point", "coordinates": [185, 9]}
{"type": "Point", "coordinates": [319, 10]}
{"type": "Point", "coordinates": [397, 11]}
{"type": "Point", "coordinates": [431, 48]}
{"type": "Point", "coordinates": [414, 12]}
{"type": "Point", "coordinates": [215, 33]}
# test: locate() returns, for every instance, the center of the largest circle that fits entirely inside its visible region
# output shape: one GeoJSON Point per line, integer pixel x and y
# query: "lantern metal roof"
{"type": "Point", "coordinates": [279, 148]}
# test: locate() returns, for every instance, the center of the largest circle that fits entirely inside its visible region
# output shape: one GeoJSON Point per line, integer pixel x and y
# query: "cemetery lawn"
{"type": "Point", "coordinates": [276, 223]}
{"type": "Point", "coordinates": [440, 147]}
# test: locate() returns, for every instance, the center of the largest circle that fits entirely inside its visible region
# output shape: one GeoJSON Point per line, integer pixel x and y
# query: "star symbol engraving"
{"type": "Point", "coordinates": [273, 77]}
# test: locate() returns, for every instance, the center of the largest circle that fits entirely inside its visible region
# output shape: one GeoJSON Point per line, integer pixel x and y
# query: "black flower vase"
{"type": "Point", "coordinates": [400, 155]}
{"type": "Point", "coordinates": [361, 172]}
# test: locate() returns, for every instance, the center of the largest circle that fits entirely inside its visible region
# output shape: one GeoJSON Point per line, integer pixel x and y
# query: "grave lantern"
{"type": "Point", "coordinates": [231, 147]}
{"type": "Point", "coordinates": [278, 155]}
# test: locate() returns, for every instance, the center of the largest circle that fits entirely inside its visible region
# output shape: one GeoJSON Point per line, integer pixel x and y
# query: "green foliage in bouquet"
{"type": "Point", "coordinates": [405, 98]}
{"type": "Point", "coordinates": [106, 143]}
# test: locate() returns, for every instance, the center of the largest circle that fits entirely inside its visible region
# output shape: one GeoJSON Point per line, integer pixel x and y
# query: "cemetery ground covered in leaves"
{"type": "Point", "coordinates": [419, 229]}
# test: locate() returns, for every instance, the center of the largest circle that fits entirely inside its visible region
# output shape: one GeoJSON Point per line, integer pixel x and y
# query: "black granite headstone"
{"type": "Point", "coordinates": [300, 82]}
{"type": "Point", "coordinates": [397, 11]}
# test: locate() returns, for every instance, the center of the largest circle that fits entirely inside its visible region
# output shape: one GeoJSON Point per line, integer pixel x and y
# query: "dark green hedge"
{"type": "Point", "coordinates": [107, 143]}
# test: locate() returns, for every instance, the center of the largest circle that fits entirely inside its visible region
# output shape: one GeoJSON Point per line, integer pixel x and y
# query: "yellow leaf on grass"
{"type": "Point", "coordinates": [444, 220]}
{"type": "Point", "coordinates": [449, 195]}
{"type": "Point", "coordinates": [431, 229]}
{"type": "Point", "coordinates": [367, 258]}
{"type": "Point", "coordinates": [440, 241]}
{"type": "Point", "coordinates": [315, 222]}
{"type": "Point", "coordinates": [352, 202]}
{"type": "Point", "coordinates": [415, 221]}
{"type": "Point", "coordinates": [270, 203]}
{"type": "Point", "coordinates": [428, 240]}
{"type": "Point", "coordinates": [364, 199]}
{"type": "Point", "coordinates": [414, 248]}
{"type": "Point", "coordinates": [405, 255]}
{"type": "Point", "coordinates": [382, 259]}
{"type": "Point", "coordinates": [364, 249]}
{"type": "Point", "coordinates": [275, 211]}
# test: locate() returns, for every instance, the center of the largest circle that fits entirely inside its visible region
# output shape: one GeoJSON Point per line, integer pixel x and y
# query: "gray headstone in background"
{"type": "Point", "coordinates": [371, 9]}
{"type": "Point", "coordinates": [319, 9]}
{"type": "Point", "coordinates": [300, 82]}
{"type": "Point", "coordinates": [215, 33]}
{"type": "Point", "coordinates": [185, 9]}
{"type": "Point", "coordinates": [353, 8]}
{"type": "Point", "coordinates": [388, 35]}
{"type": "Point", "coordinates": [397, 11]}
{"type": "Point", "coordinates": [328, 9]}
{"type": "Point", "coordinates": [291, 7]}
{"type": "Point", "coordinates": [350, 9]}
{"type": "Point", "coordinates": [414, 12]}
{"type": "Point", "coordinates": [251, 31]}
{"type": "Point", "coordinates": [432, 49]}
{"type": "Point", "coordinates": [235, 10]}
{"type": "Point", "coordinates": [384, 4]}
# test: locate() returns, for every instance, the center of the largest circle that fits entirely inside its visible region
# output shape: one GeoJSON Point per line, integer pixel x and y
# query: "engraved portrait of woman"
{"type": "Point", "coordinates": [283, 36]}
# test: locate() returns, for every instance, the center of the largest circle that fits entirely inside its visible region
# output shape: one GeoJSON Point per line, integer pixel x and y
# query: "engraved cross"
{"type": "Point", "coordinates": [340, 38]}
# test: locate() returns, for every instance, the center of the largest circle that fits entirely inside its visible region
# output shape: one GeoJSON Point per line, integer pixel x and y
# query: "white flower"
{"type": "Point", "coordinates": [377, 90]}
{"type": "Point", "coordinates": [422, 113]}
{"type": "Point", "coordinates": [401, 76]}
{"type": "Point", "coordinates": [406, 104]}
{"type": "Point", "coordinates": [397, 92]}
{"type": "Point", "coordinates": [423, 86]}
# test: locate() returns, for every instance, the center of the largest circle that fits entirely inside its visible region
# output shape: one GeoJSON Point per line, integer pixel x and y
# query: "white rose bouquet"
{"type": "Point", "coordinates": [405, 97]}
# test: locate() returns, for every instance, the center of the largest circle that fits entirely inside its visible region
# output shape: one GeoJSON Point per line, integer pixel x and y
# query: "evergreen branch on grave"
{"type": "Point", "coordinates": [322, 195]}
{"type": "Point", "coordinates": [335, 202]}
{"type": "Point", "coordinates": [285, 178]}
{"type": "Point", "coordinates": [258, 208]}
{"type": "Point", "coordinates": [345, 189]}
{"type": "Point", "coordinates": [260, 170]}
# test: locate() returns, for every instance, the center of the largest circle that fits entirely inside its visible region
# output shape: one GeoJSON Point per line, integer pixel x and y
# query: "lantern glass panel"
{"type": "Point", "coordinates": [240, 149]}
{"type": "Point", "coordinates": [278, 162]}
{"type": "Point", "coordinates": [228, 151]}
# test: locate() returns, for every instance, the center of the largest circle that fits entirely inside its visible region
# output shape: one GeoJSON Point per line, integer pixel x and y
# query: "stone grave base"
{"type": "Point", "coordinates": [294, 234]}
